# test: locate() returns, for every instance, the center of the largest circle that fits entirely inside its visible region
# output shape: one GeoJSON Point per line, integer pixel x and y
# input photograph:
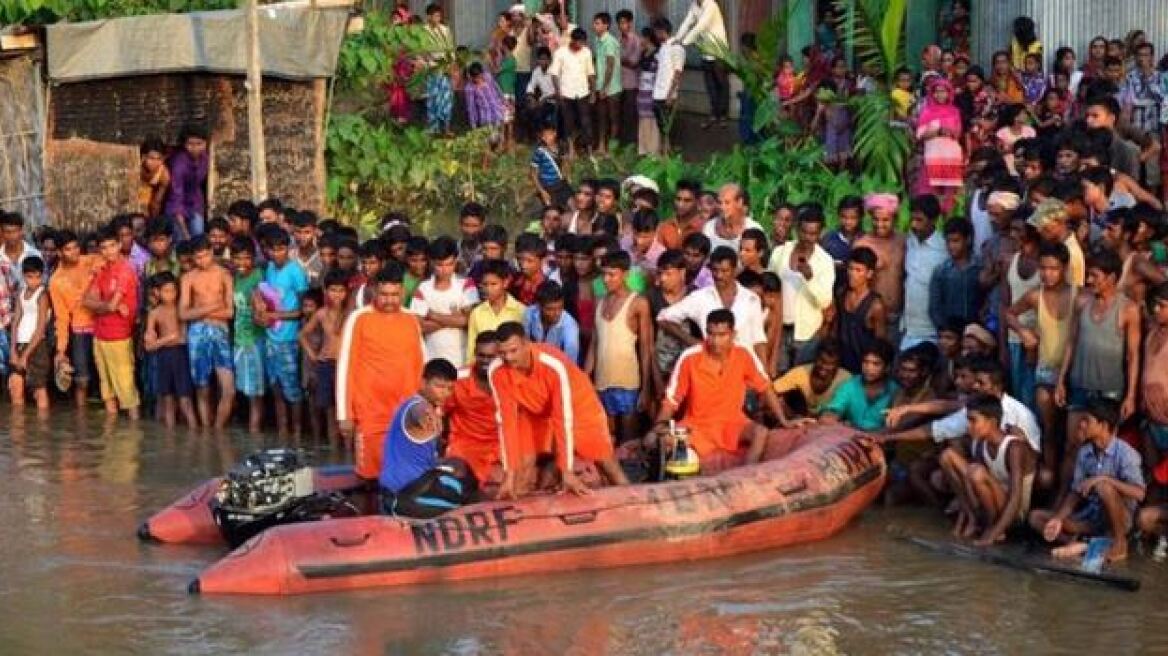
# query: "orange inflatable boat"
{"type": "Point", "coordinates": [826, 477]}
{"type": "Point", "coordinates": [190, 520]}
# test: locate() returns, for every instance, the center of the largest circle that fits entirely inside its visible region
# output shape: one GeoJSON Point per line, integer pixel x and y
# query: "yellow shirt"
{"type": "Point", "coordinates": [799, 379]}
{"type": "Point", "coordinates": [483, 318]}
{"type": "Point", "coordinates": [901, 103]}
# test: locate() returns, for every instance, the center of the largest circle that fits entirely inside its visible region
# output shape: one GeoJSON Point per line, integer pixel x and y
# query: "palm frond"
{"type": "Point", "coordinates": [875, 30]}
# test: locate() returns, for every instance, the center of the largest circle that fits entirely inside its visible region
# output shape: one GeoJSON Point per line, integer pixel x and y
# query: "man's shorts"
{"type": "Point", "coordinates": [81, 356]}
{"type": "Point", "coordinates": [282, 366]}
{"type": "Point", "coordinates": [209, 346]}
{"type": "Point", "coordinates": [1078, 398]}
{"type": "Point", "coordinates": [249, 370]}
{"type": "Point", "coordinates": [618, 402]}
{"type": "Point", "coordinates": [115, 369]}
{"type": "Point", "coordinates": [174, 372]}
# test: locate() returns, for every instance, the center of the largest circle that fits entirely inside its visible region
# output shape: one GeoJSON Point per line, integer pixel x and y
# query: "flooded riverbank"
{"type": "Point", "coordinates": [74, 579]}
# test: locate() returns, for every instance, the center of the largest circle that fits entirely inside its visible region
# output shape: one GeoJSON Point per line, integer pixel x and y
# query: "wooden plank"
{"type": "Point", "coordinates": [1034, 565]}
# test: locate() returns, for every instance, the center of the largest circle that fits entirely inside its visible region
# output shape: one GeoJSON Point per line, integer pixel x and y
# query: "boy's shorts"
{"type": "Point", "coordinates": [249, 370]}
{"type": "Point", "coordinates": [618, 402]}
{"type": "Point", "coordinates": [282, 366]}
{"type": "Point", "coordinates": [1095, 517]}
{"type": "Point", "coordinates": [173, 372]}
{"type": "Point", "coordinates": [326, 384]}
{"type": "Point", "coordinates": [115, 369]}
{"type": "Point", "coordinates": [209, 346]}
{"type": "Point", "coordinates": [36, 370]}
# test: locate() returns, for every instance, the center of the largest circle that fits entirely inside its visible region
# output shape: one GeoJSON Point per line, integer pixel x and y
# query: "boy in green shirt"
{"type": "Point", "coordinates": [248, 347]}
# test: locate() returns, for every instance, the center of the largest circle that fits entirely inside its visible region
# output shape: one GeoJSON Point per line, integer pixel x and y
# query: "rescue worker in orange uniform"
{"type": "Point", "coordinates": [712, 379]}
{"type": "Point", "coordinates": [379, 366]}
{"type": "Point", "coordinates": [474, 433]}
{"type": "Point", "coordinates": [545, 403]}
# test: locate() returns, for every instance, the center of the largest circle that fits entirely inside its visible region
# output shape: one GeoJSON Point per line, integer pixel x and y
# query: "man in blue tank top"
{"type": "Point", "coordinates": [414, 482]}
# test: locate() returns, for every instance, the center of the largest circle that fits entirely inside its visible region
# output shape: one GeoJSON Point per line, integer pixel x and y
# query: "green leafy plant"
{"type": "Point", "coordinates": [43, 12]}
{"type": "Point", "coordinates": [875, 31]}
{"type": "Point", "coordinates": [757, 70]}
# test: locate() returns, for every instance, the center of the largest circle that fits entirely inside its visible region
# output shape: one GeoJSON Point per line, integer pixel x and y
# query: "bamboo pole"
{"type": "Point", "coordinates": [255, 106]}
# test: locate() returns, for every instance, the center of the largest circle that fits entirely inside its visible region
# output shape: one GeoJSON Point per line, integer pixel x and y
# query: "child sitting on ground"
{"type": "Point", "coordinates": [166, 337]}
{"type": "Point", "coordinates": [1107, 486]}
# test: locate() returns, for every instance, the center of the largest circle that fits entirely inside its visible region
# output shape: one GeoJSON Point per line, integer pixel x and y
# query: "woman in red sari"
{"type": "Point", "coordinates": [396, 93]}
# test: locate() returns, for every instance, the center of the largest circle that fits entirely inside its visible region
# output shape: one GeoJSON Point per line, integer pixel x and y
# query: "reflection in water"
{"type": "Point", "coordinates": [73, 579]}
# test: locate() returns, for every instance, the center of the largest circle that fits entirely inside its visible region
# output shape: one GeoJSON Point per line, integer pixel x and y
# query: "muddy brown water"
{"type": "Point", "coordinates": [74, 579]}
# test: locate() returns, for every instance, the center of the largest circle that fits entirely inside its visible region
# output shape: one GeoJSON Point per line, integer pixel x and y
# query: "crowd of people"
{"type": "Point", "coordinates": [1009, 356]}
{"type": "Point", "coordinates": [597, 86]}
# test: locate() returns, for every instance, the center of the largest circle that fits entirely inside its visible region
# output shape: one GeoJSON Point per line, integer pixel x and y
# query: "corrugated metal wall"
{"type": "Point", "coordinates": [1070, 23]}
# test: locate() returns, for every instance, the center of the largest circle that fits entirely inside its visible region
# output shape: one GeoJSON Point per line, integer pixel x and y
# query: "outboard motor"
{"type": "Point", "coordinates": [269, 488]}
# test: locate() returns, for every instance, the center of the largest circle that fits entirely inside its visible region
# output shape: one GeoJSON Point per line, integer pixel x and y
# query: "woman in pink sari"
{"type": "Point", "coordinates": [939, 131]}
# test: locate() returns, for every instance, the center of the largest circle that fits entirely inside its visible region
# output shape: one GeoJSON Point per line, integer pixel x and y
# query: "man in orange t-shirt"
{"type": "Point", "coordinates": [474, 432]}
{"type": "Point", "coordinates": [540, 394]}
{"type": "Point", "coordinates": [712, 377]}
{"type": "Point", "coordinates": [379, 366]}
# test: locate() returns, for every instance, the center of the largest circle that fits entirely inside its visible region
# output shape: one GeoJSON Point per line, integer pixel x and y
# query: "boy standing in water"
{"type": "Point", "coordinates": [248, 352]}
{"type": "Point", "coordinates": [206, 301]}
{"type": "Point", "coordinates": [281, 352]}
{"type": "Point", "coordinates": [1107, 486]}
{"type": "Point", "coordinates": [330, 322]}
{"type": "Point", "coordinates": [113, 299]}
{"type": "Point", "coordinates": [29, 364]}
{"type": "Point", "coordinates": [165, 336]}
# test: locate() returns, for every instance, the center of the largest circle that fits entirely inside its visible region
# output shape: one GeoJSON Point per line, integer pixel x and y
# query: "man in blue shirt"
{"type": "Point", "coordinates": [284, 283]}
{"type": "Point", "coordinates": [1106, 488]}
{"type": "Point", "coordinates": [414, 482]}
{"type": "Point", "coordinates": [547, 322]}
{"type": "Point", "coordinates": [862, 400]}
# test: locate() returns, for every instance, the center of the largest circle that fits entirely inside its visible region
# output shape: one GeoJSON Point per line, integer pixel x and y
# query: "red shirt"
{"type": "Point", "coordinates": [112, 278]}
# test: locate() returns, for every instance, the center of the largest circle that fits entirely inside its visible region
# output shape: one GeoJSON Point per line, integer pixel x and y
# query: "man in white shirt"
{"type": "Point", "coordinates": [574, 75]}
{"type": "Point", "coordinates": [703, 24]}
{"type": "Point", "coordinates": [725, 293]}
{"type": "Point", "coordinates": [926, 252]}
{"type": "Point", "coordinates": [988, 378]}
{"type": "Point", "coordinates": [670, 65]}
{"type": "Point", "coordinates": [726, 229]}
{"type": "Point", "coordinates": [807, 273]}
{"type": "Point", "coordinates": [443, 302]}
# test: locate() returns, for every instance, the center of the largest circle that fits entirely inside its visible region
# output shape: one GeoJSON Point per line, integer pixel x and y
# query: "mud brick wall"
{"type": "Point", "coordinates": [125, 111]}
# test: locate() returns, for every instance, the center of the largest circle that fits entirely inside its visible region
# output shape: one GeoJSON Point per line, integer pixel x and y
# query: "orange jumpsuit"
{"type": "Point", "coordinates": [715, 392]}
{"type": "Point", "coordinates": [379, 366]}
{"type": "Point", "coordinates": [474, 433]}
{"type": "Point", "coordinates": [555, 399]}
